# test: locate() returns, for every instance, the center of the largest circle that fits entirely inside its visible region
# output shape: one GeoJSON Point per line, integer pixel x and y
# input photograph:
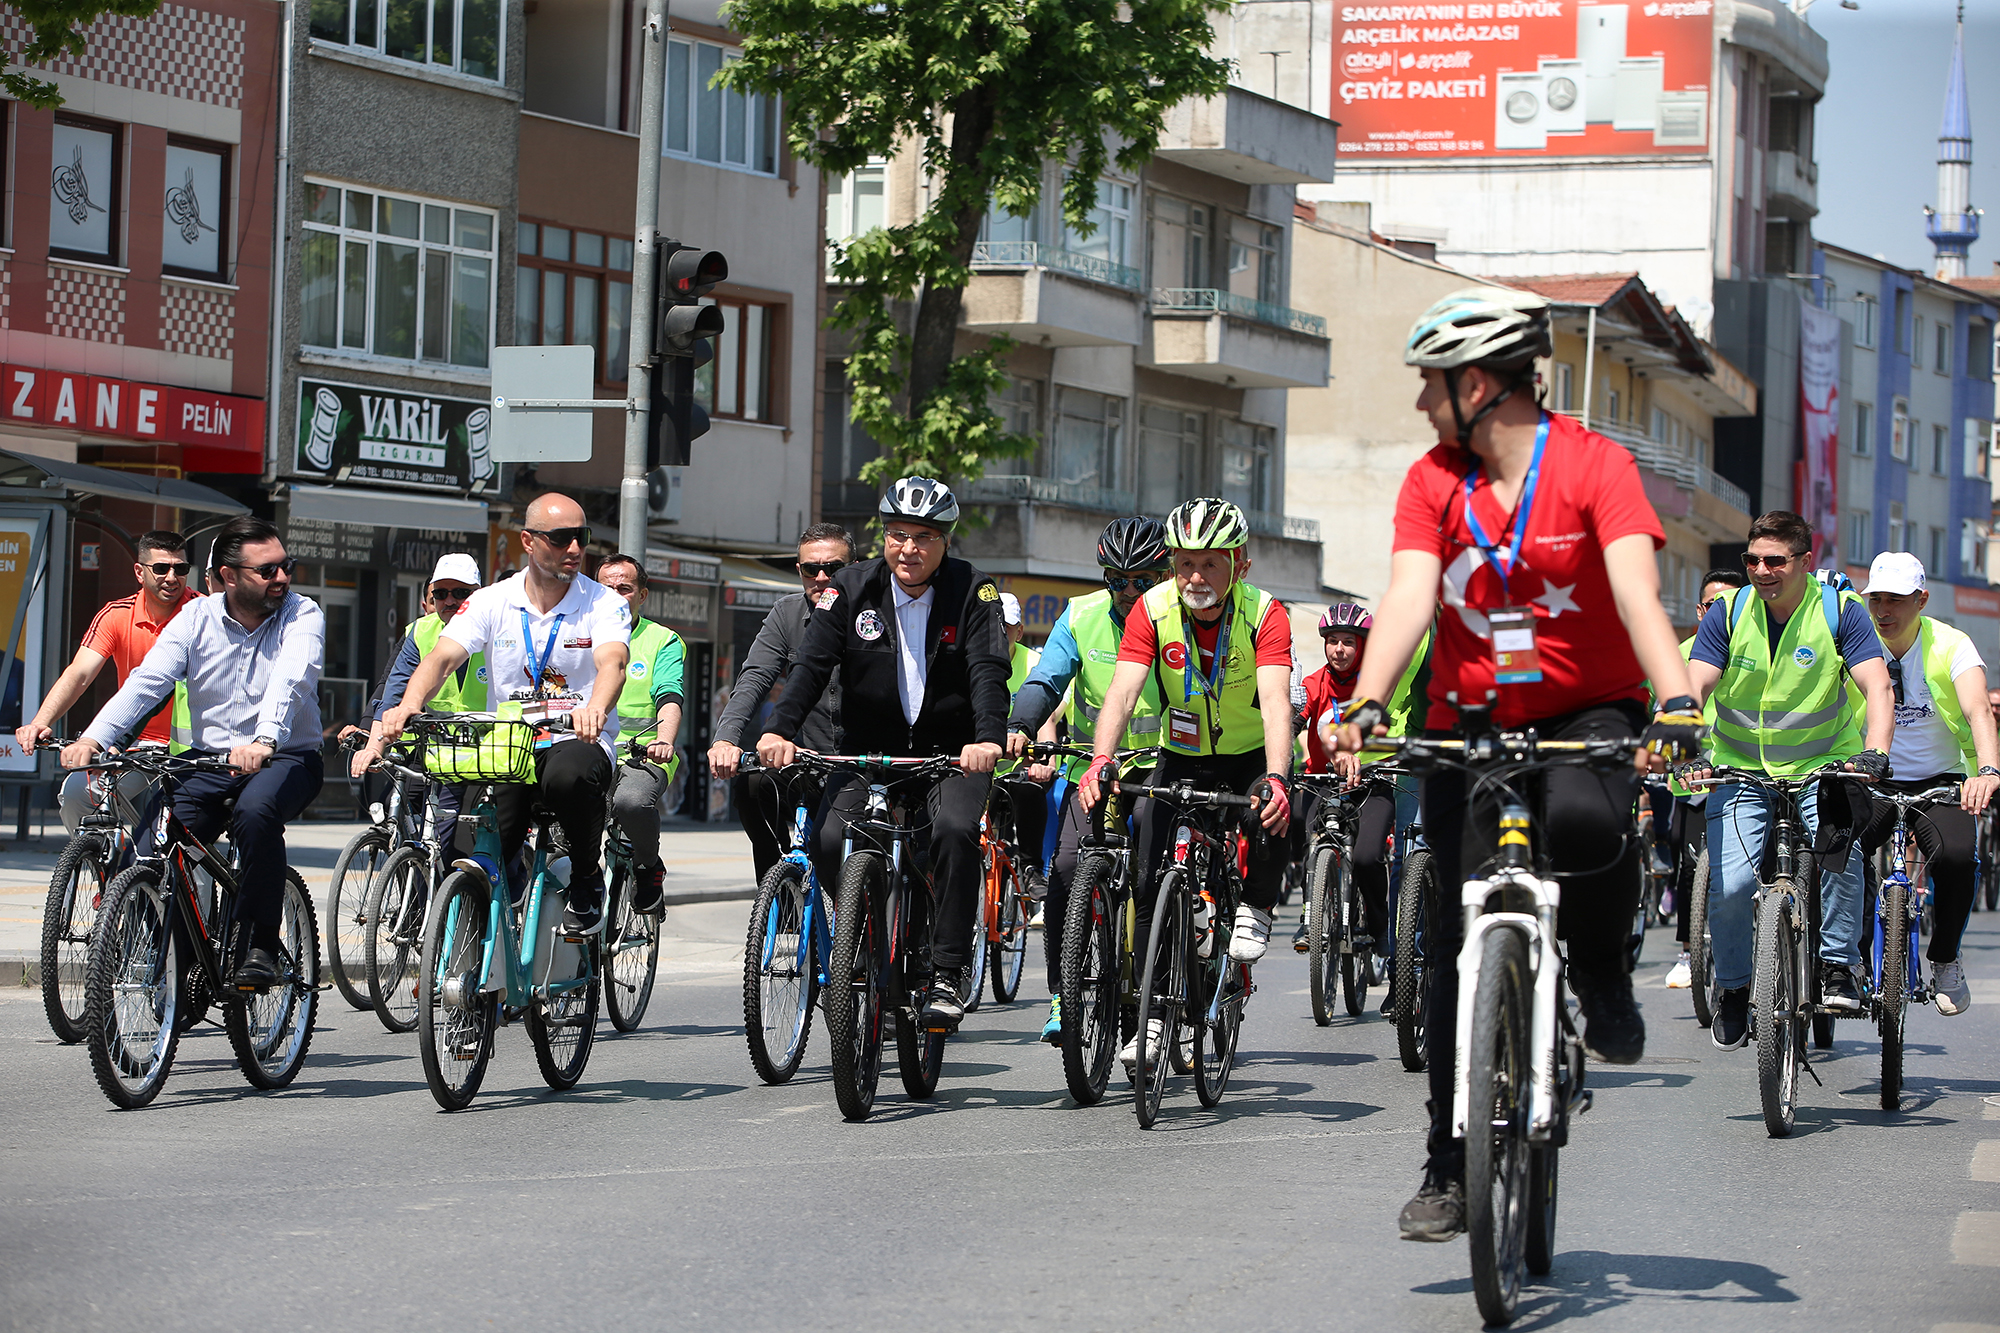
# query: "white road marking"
{"type": "Point", "coordinates": [1976, 1240]}
{"type": "Point", "coordinates": [1986, 1160]}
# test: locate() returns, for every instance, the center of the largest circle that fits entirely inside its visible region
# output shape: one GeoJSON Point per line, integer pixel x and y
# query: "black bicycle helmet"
{"type": "Point", "coordinates": [1137, 542]}
{"type": "Point", "coordinates": [920, 500]}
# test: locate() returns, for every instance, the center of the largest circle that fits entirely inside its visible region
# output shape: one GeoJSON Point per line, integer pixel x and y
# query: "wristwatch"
{"type": "Point", "coordinates": [1987, 771]}
{"type": "Point", "coordinates": [270, 742]}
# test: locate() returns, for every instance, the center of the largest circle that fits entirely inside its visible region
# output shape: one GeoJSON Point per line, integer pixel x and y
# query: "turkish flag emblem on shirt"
{"type": "Point", "coordinates": [949, 634]}
{"type": "Point", "coordinates": [1174, 655]}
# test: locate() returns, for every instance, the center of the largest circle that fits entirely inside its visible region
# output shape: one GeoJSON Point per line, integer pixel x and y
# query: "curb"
{"type": "Point", "coordinates": [20, 972]}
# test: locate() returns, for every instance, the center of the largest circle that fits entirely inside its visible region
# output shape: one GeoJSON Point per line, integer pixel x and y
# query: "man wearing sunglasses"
{"type": "Point", "coordinates": [762, 803]}
{"type": "Point", "coordinates": [1777, 658]}
{"type": "Point", "coordinates": [250, 661]}
{"type": "Point", "coordinates": [1944, 733]}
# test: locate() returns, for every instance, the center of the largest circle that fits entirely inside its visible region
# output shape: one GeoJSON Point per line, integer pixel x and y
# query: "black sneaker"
{"type": "Point", "coordinates": [1731, 1029]}
{"type": "Point", "coordinates": [1437, 1213]}
{"type": "Point", "coordinates": [942, 1007]}
{"type": "Point", "coordinates": [1837, 989]}
{"type": "Point", "coordinates": [649, 891]}
{"type": "Point", "coordinates": [583, 907]}
{"type": "Point", "coordinates": [1613, 1031]}
{"type": "Point", "coordinates": [259, 970]}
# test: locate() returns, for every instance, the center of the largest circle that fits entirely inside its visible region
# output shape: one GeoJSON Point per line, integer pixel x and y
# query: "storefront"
{"type": "Point", "coordinates": [683, 594]}
{"type": "Point", "coordinates": [1044, 600]}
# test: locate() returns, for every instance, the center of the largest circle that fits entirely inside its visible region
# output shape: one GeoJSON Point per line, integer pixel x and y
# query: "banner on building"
{"type": "Point", "coordinates": [1521, 77]}
{"type": "Point", "coordinates": [24, 612]}
{"type": "Point", "coordinates": [1819, 414]}
{"type": "Point", "coordinates": [356, 433]}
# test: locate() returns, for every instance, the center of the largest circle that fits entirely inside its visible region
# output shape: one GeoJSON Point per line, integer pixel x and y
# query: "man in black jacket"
{"type": "Point", "coordinates": [922, 660]}
{"type": "Point", "coordinates": [762, 803]}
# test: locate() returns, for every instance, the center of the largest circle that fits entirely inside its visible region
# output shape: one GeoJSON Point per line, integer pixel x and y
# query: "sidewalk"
{"type": "Point", "coordinates": [704, 864]}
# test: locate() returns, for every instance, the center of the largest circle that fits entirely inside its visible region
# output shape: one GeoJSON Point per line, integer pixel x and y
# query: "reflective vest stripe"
{"type": "Point", "coordinates": [1785, 708]}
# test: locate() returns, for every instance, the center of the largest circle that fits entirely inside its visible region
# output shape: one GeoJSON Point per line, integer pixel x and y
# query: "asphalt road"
{"type": "Point", "coordinates": [672, 1190]}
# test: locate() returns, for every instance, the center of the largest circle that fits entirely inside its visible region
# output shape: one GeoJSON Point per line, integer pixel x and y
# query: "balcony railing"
{"type": "Point", "coordinates": [1208, 299]}
{"type": "Point", "coordinates": [1006, 489]}
{"type": "Point", "coordinates": [1285, 526]}
{"type": "Point", "coordinates": [1659, 458]}
{"type": "Point", "coordinates": [1031, 254]}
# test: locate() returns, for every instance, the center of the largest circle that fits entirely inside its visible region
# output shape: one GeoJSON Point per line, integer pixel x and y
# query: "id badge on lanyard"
{"type": "Point", "coordinates": [1516, 659]}
{"type": "Point", "coordinates": [1183, 725]}
{"type": "Point", "coordinates": [540, 709]}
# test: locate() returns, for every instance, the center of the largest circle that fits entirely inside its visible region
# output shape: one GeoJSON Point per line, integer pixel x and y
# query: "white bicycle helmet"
{"type": "Point", "coordinates": [920, 500]}
{"type": "Point", "coordinates": [1207, 524]}
{"type": "Point", "coordinates": [1480, 326]}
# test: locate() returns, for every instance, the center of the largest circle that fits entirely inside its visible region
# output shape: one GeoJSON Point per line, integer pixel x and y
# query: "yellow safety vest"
{"type": "Point", "coordinates": [1785, 712]}
{"type": "Point", "coordinates": [1229, 721]}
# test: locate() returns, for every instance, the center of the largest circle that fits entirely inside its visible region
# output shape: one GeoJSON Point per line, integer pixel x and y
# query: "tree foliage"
{"type": "Point", "coordinates": [56, 24]}
{"type": "Point", "coordinates": [989, 90]}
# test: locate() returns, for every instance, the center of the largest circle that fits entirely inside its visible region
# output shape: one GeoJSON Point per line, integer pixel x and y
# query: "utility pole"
{"type": "Point", "coordinates": [645, 277]}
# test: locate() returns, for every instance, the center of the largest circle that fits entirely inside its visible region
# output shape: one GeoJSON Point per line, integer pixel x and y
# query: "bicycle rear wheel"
{"type": "Point", "coordinates": [1497, 1150]}
{"type": "Point", "coordinates": [1701, 959]}
{"type": "Point", "coordinates": [630, 954]}
{"type": "Point", "coordinates": [272, 1029]}
{"type": "Point", "coordinates": [76, 890]}
{"type": "Point", "coordinates": [562, 1015]}
{"type": "Point", "coordinates": [1089, 976]}
{"type": "Point", "coordinates": [395, 935]}
{"type": "Point", "coordinates": [454, 1020]}
{"type": "Point", "coordinates": [855, 995]}
{"type": "Point", "coordinates": [919, 1055]}
{"type": "Point", "coordinates": [778, 974]}
{"type": "Point", "coordinates": [1419, 871]}
{"type": "Point", "coordinates": [1357, 961]}
{"type": "Point", "coordinates": [131, 992]}
{"type": "Point", "coordinates": [1775, 996]}
{"type": "Point", "coordinates": [1215, 1043]}
{"type": "Point", "coordinates": [1007, 956]}
{"type": "Point", "coordinates": [1322, 930]}
{"type": "Point", "coordinates": [347, 912]}
{"type": "Point", "coordinates": [1163, 985]}
{"type": "Point", "coordinates": [1892, 998]}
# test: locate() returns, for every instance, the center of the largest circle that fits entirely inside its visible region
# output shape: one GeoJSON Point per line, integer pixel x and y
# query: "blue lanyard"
{"type": "Point", "coordinates": [1210, 685]}
{"type": "Point", "coordinates": [1505, 557]}
{"type": "Point", "coordinates": [528, 642]}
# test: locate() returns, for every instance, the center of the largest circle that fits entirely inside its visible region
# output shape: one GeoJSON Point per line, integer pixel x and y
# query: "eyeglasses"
{"type": "Point", "coordinates": [812, 569]}
{"type": "Point", "coordinates": [451, 594]}
{"type": "Point", "coordinates": [162, 568]}
{"type": "Point", "coordinates": [1120, 582]}
{"type": "Point", "coordinates": [923, 541]}
{"type": "Point", "coordinates": [1896, 679]}
{"type": "Point", "coordinates": [561, 538]}
{"type": "Point", "coordinates": [1752, 562]}
{"type": "Point", "coordinates": [272, 570]}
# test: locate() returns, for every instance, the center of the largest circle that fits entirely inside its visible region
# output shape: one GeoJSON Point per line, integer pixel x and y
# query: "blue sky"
{"type": "Point", "coordinates": [1877, 132]}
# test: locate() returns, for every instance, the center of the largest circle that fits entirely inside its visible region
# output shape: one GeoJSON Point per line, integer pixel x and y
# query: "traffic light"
{"type": "Point", "coordinates": [684, 334]}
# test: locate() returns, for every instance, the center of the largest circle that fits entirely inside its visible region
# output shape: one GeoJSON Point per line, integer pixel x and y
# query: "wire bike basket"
{"type": "Point", "coordinates": [477, 749]}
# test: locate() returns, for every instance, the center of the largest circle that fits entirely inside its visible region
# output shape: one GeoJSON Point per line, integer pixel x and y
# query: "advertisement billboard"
{"type": "Point", "coordinates": [1521, 78]}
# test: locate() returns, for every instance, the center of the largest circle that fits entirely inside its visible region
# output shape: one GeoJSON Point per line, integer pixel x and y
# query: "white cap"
{"type": "Point", "coordinates": [1897, 573]}
{"type": "Point", "coordinates": [457, 566]}
{"type": "Point", "coordinates": [1010, 608]}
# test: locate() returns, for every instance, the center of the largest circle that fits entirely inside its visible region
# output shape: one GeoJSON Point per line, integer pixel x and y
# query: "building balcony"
{"type": "Point", "coordinates": [1791, 185]}
{"type": "Point", "coordinates": [1681, 488]}
{"type": "Point", "coordinates": [1245, 136]}
{"type": "Point", "coordinates": [1229, 339]}
{"type": "Point", "coordinates": [1014, 489]}
{"type": "Point", "coordinates": [1052, 297]}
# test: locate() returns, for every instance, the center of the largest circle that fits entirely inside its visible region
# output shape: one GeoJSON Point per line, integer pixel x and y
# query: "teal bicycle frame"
{"type": "Point", "coordinates": [514, 981]}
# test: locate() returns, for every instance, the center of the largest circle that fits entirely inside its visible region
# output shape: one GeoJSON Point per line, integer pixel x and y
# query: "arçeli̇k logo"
{"type": "Point", "coordinates": [72, 189]}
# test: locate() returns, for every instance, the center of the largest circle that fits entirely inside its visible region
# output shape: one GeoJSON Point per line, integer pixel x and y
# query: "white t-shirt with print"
{"type": "Point", "coordinates": [1923, 745]}
{"type": "Point", "coordinates": [588, 615]}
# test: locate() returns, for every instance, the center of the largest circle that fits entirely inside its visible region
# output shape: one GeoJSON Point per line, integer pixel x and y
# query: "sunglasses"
{"type": "Point", "coordinates": [162, 568]}
{"type": "Point", "coordinates": [451, 594]}
{"type": "Point", "coordinates": [923, 541]}
{"type": "Point", "coordinates": [1753, 562]}
{"type": "Point", "coordinates": [272, 570]}
{"type": "Point", "coordinates": [814, 568]}
{"type": "Point", "coordinates": [561, 538]}
{"type": "Point", "coordinates": [1120, 582]}
{"type": "Point", "coordinates": [1896, 679]}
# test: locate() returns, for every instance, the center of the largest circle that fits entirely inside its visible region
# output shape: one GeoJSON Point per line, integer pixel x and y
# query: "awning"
{"type": "Point", "coordinates": [386, 509]}
{"type": "Point", "coordinates": [748, 585]}
{"type": "Point", "coordinates": [23, 471]}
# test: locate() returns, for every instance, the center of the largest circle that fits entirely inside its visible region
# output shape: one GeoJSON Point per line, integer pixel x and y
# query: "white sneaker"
{"type": "Point", "coordinates": [1949, 989]}
{"type": "Point", "coordinates": [1129, 1056]}
{"type": "Point", "coordinates": [1251, 935]}
{"type": "Point", "coordinates": [1681, 975]}
{"type": "Point", "coordinates": [1035, 921]}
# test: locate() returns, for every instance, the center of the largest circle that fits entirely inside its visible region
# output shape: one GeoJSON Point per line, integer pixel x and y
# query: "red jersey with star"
{"type": "Point", "coordinates": [1588, 496]}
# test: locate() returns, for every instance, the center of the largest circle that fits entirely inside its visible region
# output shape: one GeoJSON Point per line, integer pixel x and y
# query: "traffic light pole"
{"type": "Point", "coordinates": [645, 277]}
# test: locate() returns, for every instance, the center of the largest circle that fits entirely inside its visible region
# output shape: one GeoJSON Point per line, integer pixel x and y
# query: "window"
{"type": "Point", "coordinates": [1941, 361]}
{"type": "Point", "coordinates": [1918, 328]}
{"type": "Point", "coordinates": [1246, 463]}
{"type": "Point", "coordinates": [460, 35]}
{"type": "Point", "coordinates": [1019, 406]}
{"type": "Point", "coordinates": [1254, 267]}
{"type": "Point", "coordinates": [1903, 322]}
{"type": "Point", "coordinates": [1088, 431]}
{"type": "Point", "coordinates": [1935, 566]}
{"type": "Point", "coordinates": [1940, 449]}
{"type": "Point", "coordinates": [854, 203]}
{"type": "Point", "coordinates": [1170, 452]}
{"type": "Point", "coordinates": [847, 448]}
{"type": "Point", "coordinates": [1860, 537]}
{"type": "Point", "coordinates": [711, 124]}
{"type": "Point", "coordinates": [1111, 240]}
{"type": "Point", "coordinates": [1867, 320]}
{"type": "Point", "coordinates": [574, 288]}
{"type": "Point", "coordinates": [85, 206]}
{"type": "Point", "coordinates": [1900, 428]}
{"type": "Point", "coordinates": [997, 226]}
{"type": "Point", "coordinates": [1177, 241]}
{"type": "Point", "coordinates": [391, 276]}
{"type": "Point", "coordinates": [1977, 433]}
{"type": "Point", "coordinates": [1898, 535]}
{"type": "Point", "coordinates": [1564, 389]}
{"type": "Point", "coordinates": [196, 210]}
{"type": "Point", "coordinates": [1979, 350]}
{"type": "Point", "coordinates": [1971, 547]}
{"type": "Point", "coordinates": [1864, 429]}
{"type": "Point", "coordinates": [1610, 403]}
{"type": "Point", "coordinates": [737, 384]}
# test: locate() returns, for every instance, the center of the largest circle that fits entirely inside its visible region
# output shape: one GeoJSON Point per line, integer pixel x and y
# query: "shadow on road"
{"type": "Point", "coordinates": [1585, 1282]}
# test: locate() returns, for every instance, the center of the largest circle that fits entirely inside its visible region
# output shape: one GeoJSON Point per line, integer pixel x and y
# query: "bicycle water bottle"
{"type": "Point", "coordinates": [558, 872]}
{"type": "Point", "coordinates": [1204, 925]}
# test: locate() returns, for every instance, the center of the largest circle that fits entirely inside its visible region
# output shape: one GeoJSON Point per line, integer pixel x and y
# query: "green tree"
{"type": "Point", "coordinates": [989, 89]}
{"type": "Point", "coordinates": [55, 23]}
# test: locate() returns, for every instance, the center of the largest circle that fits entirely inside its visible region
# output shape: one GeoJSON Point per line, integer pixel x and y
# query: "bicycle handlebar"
{"type": "Point", "coordinates": [1184, 793]}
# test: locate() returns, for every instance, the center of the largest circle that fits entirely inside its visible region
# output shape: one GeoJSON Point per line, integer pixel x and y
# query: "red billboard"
{"type": "Point", "coordinates": [1521, 77]}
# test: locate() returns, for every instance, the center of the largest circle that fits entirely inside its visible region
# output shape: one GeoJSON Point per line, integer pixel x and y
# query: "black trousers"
{"type": "Point", "coordinates": [1373, 824]}
{"type": "Point", "coordinates": [573, 778]}
{"type": "Point", "coordinates": [1584, 822]}
{"type": "Point", "coordinates": [764, 811]}
{"type": "Point", "coordinates": [1949, 838]}
{"type": "Point", "coordinates": [954, 807]}
{"type": "Point", "coordinates": [1156, 821]}
{"type": "Point", "coordinates": [265, 801]}
{"type": "Point", "coordinates": [1687, 827]}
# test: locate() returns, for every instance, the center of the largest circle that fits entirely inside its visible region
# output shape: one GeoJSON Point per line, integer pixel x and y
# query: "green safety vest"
{"type": "Point", "coordinates": [1233, 718]}
{"type": "Point", "coordinates": [1022, 662]}
{"type": "Point", "coordinates": [463, 691]}
{"type": "Point", "coordinates": [1097, 638]}
{"type": "Point", "coordinates": [1789, 712]}
{"type": "Point", "coordinates": [638, 720]}
{"type": "Point", "coordinates": [1938, 643]}
{"type": "Point", "coordinates": [1403, 700]}
{"type": "Point", "coordinates": [181, 724]}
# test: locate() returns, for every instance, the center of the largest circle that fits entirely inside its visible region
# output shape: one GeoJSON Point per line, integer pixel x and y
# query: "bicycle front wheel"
{"type": "Point", "coordinates": [1418, 873]}
{"type": "Point", "coordinates": [1701, 959]}
{"type": "Point", "coordinates": [562, 1015]}
{"type": "Point", "coordinates": [971, 983]}
{"type": "Point", "coordinates": [1215, 1043]}
{"type": "Point", "coordinates": [1357, 961]}
{"type": "Point", "coordinates": [631, 952]}
{"type": "Point", "coordinates": [856, 988]}
{"type": "Point", "coordinates": [1007, 955]}
{"type": "Point", "coordinates": [1322, 936]}
{"type": "Point", "coordinates": [76, 890]}
{"type": "Point", "coordinates": [1497, 1124]}
{"type": "Point", "coordinates": [1163, 986]}
{"type": "Point", "coordinates": [395, 935]}
{"type": "Point", "coordinates": [1541, 1241]}
{"type": "Point", "coordinates": [131, 991]}
{"type": "Point", "coordinates": [1775, 999]}
{"type": "Point", "coordinates": [454, 1020]}
{"type": "Point", "coordinates": [271, 1030]}
{"type": "Point", "coordinates": [1892, 999]}
{"type": "Point", "coordinates": [347, 912]}
{"type": "Point", "coordinates": [778, 966]}
{"type": "Point", "coordinates": [1090, 981]}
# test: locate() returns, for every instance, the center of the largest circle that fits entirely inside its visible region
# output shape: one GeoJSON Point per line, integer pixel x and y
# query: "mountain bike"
{"type": "Point", "coordinates": [790, 942]}
{"type": "Point", "coordinates": [1342, 954]}
{"type": "Point", "coordinates": [631, 947]}
{"type": "Point", "coordinates": [102, 846]}
{"type": "Point", "coordinates": [171, 930]}
{"type": "Point", "coordinates": [492, 954]}
{"type": "Point", "coordinates": [394, 821]}
{"type": "Point", "coordinates": [1895, 961]}
{"type": "Point", "coordinates": [1000, 931]}
{"type": "Point", "coordinates": [1520, 1067]}
{"type": "Point", "coordinates": [392, 919]}
{"type": "Point", "coordinates": [1414, 887]}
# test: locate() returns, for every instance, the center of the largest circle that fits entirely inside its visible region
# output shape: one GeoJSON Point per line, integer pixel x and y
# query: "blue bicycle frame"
{"type": "Point", "coordinates": [816, 927]}
{"type": "Point", "coordinates": [1917, 896]}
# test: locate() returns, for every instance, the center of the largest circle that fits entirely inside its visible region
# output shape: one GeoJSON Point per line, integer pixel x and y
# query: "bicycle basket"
{"type": "Point", "coordinates": [480, 750]}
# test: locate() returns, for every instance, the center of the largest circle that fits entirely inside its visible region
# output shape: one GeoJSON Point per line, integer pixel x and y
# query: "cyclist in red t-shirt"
{"type": "Point", "coordinates": [1518, 510]}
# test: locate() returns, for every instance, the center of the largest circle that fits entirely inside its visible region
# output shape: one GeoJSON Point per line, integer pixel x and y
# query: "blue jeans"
{"type": "Point", "coordinates": [1739, 819]}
